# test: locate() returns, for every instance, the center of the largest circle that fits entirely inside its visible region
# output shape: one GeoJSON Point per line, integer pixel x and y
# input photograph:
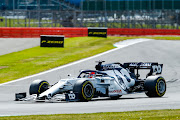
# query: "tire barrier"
{"type": "Point", "coordinates": [23, 32]}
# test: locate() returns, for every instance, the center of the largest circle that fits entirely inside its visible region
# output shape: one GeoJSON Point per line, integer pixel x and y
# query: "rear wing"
{"type": "Point", "coordinates": [154, 67]}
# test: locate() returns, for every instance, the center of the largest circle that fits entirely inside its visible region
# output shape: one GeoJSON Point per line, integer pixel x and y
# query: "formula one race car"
{"type": "Point", "coordinates": [108, 80]}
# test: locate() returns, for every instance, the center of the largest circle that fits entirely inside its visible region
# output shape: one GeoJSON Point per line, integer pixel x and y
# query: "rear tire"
{"type": "Point", "coordinates": [38, 86]}
{"type": "Point", "coordinates": [155, 86]}
{"type": "Point", "coordinates": [85, 90]}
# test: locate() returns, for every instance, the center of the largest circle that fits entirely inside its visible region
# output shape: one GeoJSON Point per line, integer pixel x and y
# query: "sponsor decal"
{"type": "Point", "coordinates": [116, 91]}
{"type": "Point", "coordinates": [111, 66]}
{"type": "Point", "coordinates": [157, 69]}
{"type": "Point", "coordinates": [145, 64]}
{"type": "Point", "coordinates": [97, 32]}
{"type": "Point", "coordinates": [52, 41]}
{"type": "Point", "coordinates": [140, 64]}
{"type": "Point", "coordinates": [71, 96]}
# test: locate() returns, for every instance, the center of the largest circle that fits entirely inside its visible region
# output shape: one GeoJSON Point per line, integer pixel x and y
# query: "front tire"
{"type": "Point", "coordinates": [155, 86]}
{"type": "Point", "coordinates": [38, 86]}
{"type": "Point", "coordinates": [85, 90]}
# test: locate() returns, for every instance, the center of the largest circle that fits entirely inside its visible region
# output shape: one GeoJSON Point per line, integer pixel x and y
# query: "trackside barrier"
{"type": "Point", "coordinates": [118, 31]}
{"type": "Point", "coordinates": [23, 32]}
{"type": "Point", "coordinates": [36, 32]}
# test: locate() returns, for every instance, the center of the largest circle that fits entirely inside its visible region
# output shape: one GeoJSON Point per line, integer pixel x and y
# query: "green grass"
{"type": "Point", "coordinates": [34, 60]}
{"type": "Point", "coordinates": [27, 23]}
{"type": "Point", "coordinates": [134, 115]}
{"type": "Point", "coordinates": [37, 59]}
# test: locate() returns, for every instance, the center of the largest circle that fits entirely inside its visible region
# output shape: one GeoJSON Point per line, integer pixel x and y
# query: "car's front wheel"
{"type": "Point", "coordinates": [38, 86]}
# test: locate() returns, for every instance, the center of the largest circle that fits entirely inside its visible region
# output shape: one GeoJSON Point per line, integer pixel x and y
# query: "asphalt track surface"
{"type": "Point", "coordinates": [166, 52]}
{"type": "Point", "coordinates": [9, 45]}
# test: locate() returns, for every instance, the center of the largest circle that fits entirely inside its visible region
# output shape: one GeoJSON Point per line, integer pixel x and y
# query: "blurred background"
{"type": "Point", "coordinates": [156, 14]}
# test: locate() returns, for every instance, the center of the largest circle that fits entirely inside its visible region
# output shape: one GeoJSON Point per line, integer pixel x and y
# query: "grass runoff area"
{"type": "Point", "coordinates": [135, 115]}
{"type": "Point", "coordinates": [37, 59]}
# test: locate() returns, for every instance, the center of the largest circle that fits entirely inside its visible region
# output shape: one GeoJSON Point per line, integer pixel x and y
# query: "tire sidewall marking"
{"type": "Point", "coordinates": [83, 90]}
{"type": "Point", "coordinates": [157, 87]}
{"type": "Point", "coordinates": [41, 86]}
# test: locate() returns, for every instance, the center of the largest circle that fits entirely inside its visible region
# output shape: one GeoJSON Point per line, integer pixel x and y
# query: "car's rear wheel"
{"type": "Point", "coordinates": [38, 86]}
{"type": "Point", "coordinates": [155, 86]}
{"type": "Point", "coordinates": [85, 90]}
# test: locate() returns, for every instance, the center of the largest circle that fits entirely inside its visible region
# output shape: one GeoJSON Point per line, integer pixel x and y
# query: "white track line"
{"type": "Point", "coordinates": [119, 45]}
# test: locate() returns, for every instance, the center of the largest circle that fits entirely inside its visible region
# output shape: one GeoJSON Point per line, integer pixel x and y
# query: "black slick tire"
{"type": "Point", "coordinates": [155, 86]}
{"type": "Point", "coordinates": [85, 90]}
{"type": "Point", "coordinates": [38, 86]}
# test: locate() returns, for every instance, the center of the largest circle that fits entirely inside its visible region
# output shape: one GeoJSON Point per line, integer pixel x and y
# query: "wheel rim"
{"type": "Point", "coordinates": [161, 86]}
{"type": "Point", "coordinates": [88, 90]}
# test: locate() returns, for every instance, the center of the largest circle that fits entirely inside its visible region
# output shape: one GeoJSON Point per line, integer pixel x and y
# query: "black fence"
{"type": "Point", "coordinates": [156, 19]}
